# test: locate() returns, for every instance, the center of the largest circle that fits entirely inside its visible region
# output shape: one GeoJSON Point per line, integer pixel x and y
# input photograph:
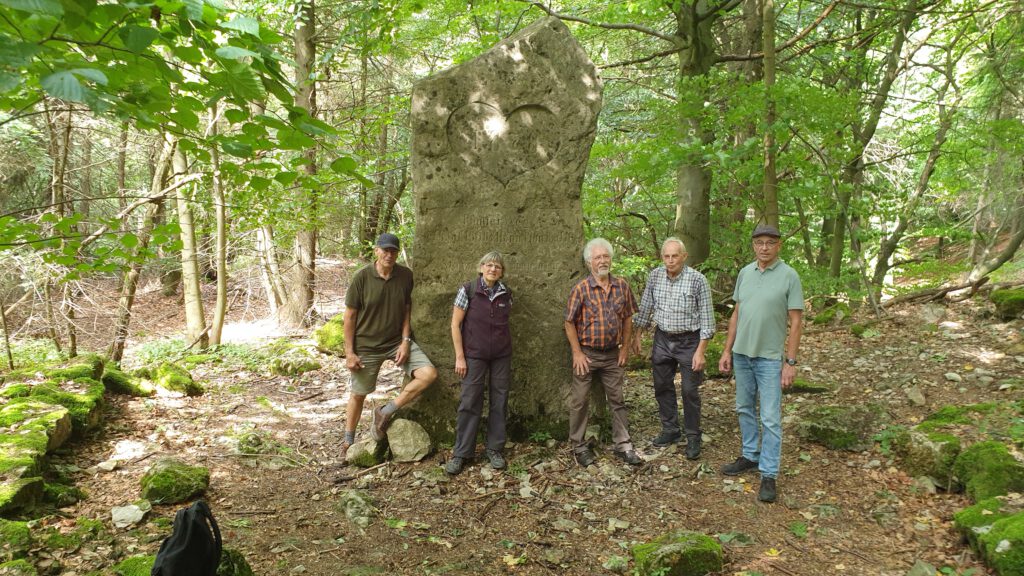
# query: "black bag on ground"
{"type": "Point", "coordinates": [193, 548]}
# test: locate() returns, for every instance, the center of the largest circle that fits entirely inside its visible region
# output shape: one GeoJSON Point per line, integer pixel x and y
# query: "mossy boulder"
{"type": "Point", "coordinates": [1009, 303]}
{"type": "Point", "coordinates": [679, 553]}
{"type": "Point", "coordinates": [23, 415]}
{"type": "Point", "coordinates": [117, 382]}
{"type": "Point", "coordinates": [233, 563]}
{"type": "Point", "coordinates": [62, 495]}
{"type": "Point", "coordinates": [802, 386]}
{"type": "Point", "coordinates": [15, 540]}
{"type": "Point", "coordinates": [408, 440]}
{"type": "Point", "coordinates": [294, 362]}
{"type": "Point", "coordinates": [170, 481]}
{"type": "Point", "coordinates": [170, 376]}
{"type": "Point", "coordinates": [995, 528]}
{"type": "Point", "coordinates": [135, 566]}
{"type": "Point", "coordinates": [928, 454]}
{"type": "Point", "coordinates": [978, 519]}
{"type": "Point", "coordinates": [82, 366]}
{"type": "Point", "coordinates": [952, 416]}
{"type": "Point", "coordinates": [987, 469]}
{"type": "Point", "coordinates": [330, 338]}
{"type": "Point", "coordinates": [21, 493]}
{"type": "Point", "coordinates": [833, 314]}
{"type": "Point", "coordinates": [842, 427]}
{"type": "Point", "coordinates": [366, 452]}
{"type": "Point", "coordinates": [20, 567]}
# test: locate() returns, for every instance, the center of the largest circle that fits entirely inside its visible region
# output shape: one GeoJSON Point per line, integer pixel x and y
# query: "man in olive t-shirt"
{"type": "Point", "coordinates": [378, 308]}
{"type": "Point", "coordinates": [768, 294]}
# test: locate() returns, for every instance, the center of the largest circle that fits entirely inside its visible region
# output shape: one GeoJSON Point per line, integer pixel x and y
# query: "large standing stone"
{"type": "Point", "coordinates": [499, 149]}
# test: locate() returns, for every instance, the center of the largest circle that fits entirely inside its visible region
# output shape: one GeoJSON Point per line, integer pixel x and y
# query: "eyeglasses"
{"type": "Point", "coordinates": [494, 265]}
{"type": "Point", "coordinates": [766, 244]}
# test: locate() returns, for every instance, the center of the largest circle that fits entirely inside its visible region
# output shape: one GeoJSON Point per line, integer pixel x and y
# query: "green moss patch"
{"type": "Point", "coordinates": [62, 495]}
{"type": "Point", "coordinates": [679, 553]}
{"type": "Point", "coordinates": [18, 567]}
{"type": "Point", "coordinates": [951, 416]}
{"type": "Point", "coordinates": [801, 386]}
{"type": "Point", "coordinates": [834, 313]}
{"type": "Point", "coordinates": [135, 566]}
{"type": "Point", "coordinates": [117, 382]}
{"type": "Point", "coordinates": [330, 338]}
{"type": "Point", "coordinates": [842, 427]}
{"type": "Point", "coordinates": [82, 397]}
{"type": "Point", "coordinates": [928, 454]}
{"type": "Point", "coordinates": [987, 469]}
{"type": "Point", "coordinates": [170, 376]}
{"type": "Point", "coordinates": [15, 540]}
{"type": "Point", "coordinates": [1009, 303]}
{"type": "Point", "coordinates": [83, 366]}
{"type": "Point", "coordinates": [20, 494]}
{"type": "Point", "coordinates": [233, 563]}
{"type": "Point", "coordinates": [170, 481]}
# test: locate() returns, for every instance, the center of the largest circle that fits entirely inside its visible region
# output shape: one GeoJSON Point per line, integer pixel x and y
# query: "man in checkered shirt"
{"type": "Point", "coordinates": [677, 300]}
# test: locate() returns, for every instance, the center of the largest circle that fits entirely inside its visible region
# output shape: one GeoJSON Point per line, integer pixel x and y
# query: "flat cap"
{"type": "Point", "coordinates": [766, 230]}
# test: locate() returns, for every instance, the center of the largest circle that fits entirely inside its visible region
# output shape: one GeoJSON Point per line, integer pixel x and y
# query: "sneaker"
{"type": "Point", "coordinates": [738, 467]}
{"type": "Point", "coordinates": [629, 457]}
{"type": "Point", "coordinates": [692, 447]}
{"type": "Point", "coordinates": [585, 458]}
{"type": "Point", "coordinates": [454, 465]}
{"type": "Point", "coordinates": [496, 459]}
{"type": "Point", "coordinates": [379, 427]}
{"type": "Point", "coordinates": [767, 491]}
{"type": "Point", "coordinates": [666, 438]}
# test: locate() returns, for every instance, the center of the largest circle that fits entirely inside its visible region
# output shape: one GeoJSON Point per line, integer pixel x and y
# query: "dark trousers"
{"type": "Point", "coordinates": [471, 405]}
{"type": "Point", "coordinates": [604, 365]}
{"type": "Point", "coordinates": [671, 352]}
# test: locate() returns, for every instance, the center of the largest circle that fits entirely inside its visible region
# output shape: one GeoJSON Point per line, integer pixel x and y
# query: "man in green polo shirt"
{"type": "Point", "coordinates": [378, 308]}
{"type": "Point", "coordinates": [768, 294]}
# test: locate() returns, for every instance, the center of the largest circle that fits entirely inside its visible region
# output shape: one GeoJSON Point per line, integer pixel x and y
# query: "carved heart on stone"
{"type": "Point", "coordinates": [504, 145]}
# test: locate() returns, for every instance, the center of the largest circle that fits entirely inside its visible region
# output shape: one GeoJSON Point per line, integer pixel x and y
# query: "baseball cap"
{"type": "Point", "coordinates": [386, 240]}
{"type": "Point", "coordinates": [766, 230]}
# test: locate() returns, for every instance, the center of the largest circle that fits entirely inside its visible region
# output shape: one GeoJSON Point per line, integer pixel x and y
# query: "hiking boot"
{"type": "Point", "coordinates": [629, 457]}
{"type": "Point", "coordinates": [585, 458]}
{"type": "Point", "coordinates": [379, 427]}
{"type": "Point", "coordinates": [738, 467]}
{"type": "Point", "coordinates": [454, 465]}
{"type": "Point", "coordinates": [496, 459]}
{"type": "Point", "coordinates": [666, 438]}
{"type": "Point", "coordinates": [767, 491]}
{"type": "Point", "coordinates": [692, 447]}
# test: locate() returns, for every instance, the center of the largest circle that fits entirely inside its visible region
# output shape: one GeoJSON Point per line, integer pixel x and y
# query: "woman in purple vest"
{"type": "Point", "coordinates": [483, 345]}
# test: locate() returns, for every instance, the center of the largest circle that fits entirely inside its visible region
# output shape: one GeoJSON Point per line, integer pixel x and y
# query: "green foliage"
{"type": "Point", "coordinates": [30, 351]}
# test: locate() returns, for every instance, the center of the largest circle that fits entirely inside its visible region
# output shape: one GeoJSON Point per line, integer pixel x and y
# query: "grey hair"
{"type": "Point", "coordinates": [682, 247]}
{"type": "Point", "coordinates": [492, 256]}
{"type": "Point", "coordinates": [597, 242]}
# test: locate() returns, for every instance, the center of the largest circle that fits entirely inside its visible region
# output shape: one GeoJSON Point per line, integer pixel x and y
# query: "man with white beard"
{"type": "Point", "coordinates": [599, 326]}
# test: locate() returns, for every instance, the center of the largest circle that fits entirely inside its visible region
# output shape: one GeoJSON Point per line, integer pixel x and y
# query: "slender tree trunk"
{"type": "Point", "coordinates": [299, 309]}
{"type": "Point", "coordinates": [7, 335]}
{"type": "Point", "coordinates": [195, 319]}
{"type": "Point", "coordinates": [805, 232]}
{"type": "Point", "coordinates": [771, 181]}
{"type": "Point", "coordinates": [994, 176]}
{"type": "Point", "coordinates": [130, 283]}
{"type": "Point", "coordinates": [122, 162]}
{"type": "Point", "coordinates": [990, 265]}
{"type": "Point", "coordinates": [221, 250]}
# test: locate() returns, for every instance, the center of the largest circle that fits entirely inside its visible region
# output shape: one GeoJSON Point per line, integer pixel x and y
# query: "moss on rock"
{"type": "Point", "coordinates": [330, 338]}
{"type": "Point", "coordinates": [118, 382]}
{"type": "Point", "coordinates": [679, 553]}
{"type": "Point", "coordinates": [135, 566]}
{"type": "Point", "coordinates": [82, 397]}
{"type": "Point", "coordinates": [294, 362]}
{"type": "Point", "coordinates": [1009, 303]}
{"type": "Point", "coordinates": [712, 354]}
{"type": "Point", "coordinates": [82, 366]}
{"type": "Point", "coordinates": [842, 427]}
{"type": "Point", "coordinates": [802, 386]}
{"type": "Point", "coordinates": [20, 494]}
{"type": "Point", "coordinates": [928, 454]}
{"type": "Point", "coordinates": [835, 312]}
{"type": "Point", "coordinates": [26, 415]}
{"type": "Point", "coordinates": [233, 563]}
{"type": "Point", "coordinates": [987, 469]}
{"type": "Point", "coordinates": [170, 481]}
{"type": "Point", "coordinates": [172, 377]}
{"type": "Point", "coordinates": [20, 567]}
{"type": "Point", "coordinates": [953, 415]}
{"type": "Point", "coordinates": [62, 495]}
{"type": "Point", "coordinates": [978, 519]}
{"type": "Point", "coordinates": [15, 540]}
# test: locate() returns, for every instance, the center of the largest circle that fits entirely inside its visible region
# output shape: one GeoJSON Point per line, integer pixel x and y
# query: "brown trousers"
{"type": "Point", "coordinates": [604, 364]}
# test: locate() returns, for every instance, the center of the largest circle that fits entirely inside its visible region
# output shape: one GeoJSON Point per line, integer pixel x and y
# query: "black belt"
{"type": "Point", "coordinates": [595, 349]}
{"type": "Point", "coordinates": [679, 334]}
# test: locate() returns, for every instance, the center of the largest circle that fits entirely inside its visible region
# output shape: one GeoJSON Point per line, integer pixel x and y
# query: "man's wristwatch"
{"type": "Point", "coordinates": [407, 339]}
{"type": "Point", "coordinates": [791, 361]}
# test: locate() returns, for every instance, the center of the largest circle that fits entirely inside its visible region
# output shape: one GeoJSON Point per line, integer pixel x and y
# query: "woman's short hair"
{"type": "Point", "coordinates": [492, 256]}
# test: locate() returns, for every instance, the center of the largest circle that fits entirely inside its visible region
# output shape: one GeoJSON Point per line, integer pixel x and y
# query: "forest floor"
{"type": "Point", "coordinates": [838, 512]}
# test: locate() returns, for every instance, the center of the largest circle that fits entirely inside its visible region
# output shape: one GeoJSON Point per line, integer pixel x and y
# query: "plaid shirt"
{"type": "Point", "coordinates": [680, 304]}
{"type": "Point", "coordinates": [462, 299]}
{"type": "Point", "coordinates": [599, 315]}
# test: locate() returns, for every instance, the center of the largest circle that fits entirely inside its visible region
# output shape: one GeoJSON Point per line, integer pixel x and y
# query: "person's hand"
{"type": "Point", "coordinates": [698, 362]}
{"type": "Point", "coordinates": [352, 362]}
{"type": "Point", "coordinates": [623, 354]}
{"type": "Point", "coordinates": [725, 362]}
{"type": "Point", "coordinates": [460, 367]}
{"type": "Point", "coordinates": [637, 347]}
{"type": "Point", "coordinates": [403, 352]}
{"type": "Point", "coordinates": [788, 375]}
{"type": "Point", "coordinates": [580, 363]}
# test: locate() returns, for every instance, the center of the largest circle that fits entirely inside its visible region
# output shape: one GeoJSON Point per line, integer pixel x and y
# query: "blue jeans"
{"type": "Point", "coordinates": [760, 379]}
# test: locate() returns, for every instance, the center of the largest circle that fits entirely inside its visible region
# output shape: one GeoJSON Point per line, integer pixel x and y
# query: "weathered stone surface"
{"type": "Point", "coordinates": [499, 149]}
{"type": "Point", "coordinates": [680, 553]}
{"type": "Point", "coordinates": [170, 481]}
{"type": "Point", "coordinates": [366, 452]}
{"type": "Point", "coordinates": [408, 440]}
{"type": "Point", "coordinates": [928, 454]}
{"type": "Point", "coordinates": [357, 506]}
{"type": "Point", "coordinates": [842, 427]}
{"type": "Point", "coordinates": [294, 362]}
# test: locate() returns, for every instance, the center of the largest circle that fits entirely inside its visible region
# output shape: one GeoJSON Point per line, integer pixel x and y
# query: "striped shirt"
{"type": "Point", "coordinates": [598, 314]}
{"type": "Point", "coordinates": [462, 299]}
{"type": "Point", "coordinates": [680, 304]}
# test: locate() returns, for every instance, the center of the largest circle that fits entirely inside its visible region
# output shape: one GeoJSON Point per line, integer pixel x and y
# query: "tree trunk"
{"type": "Point", "coordinates": [987, 266]}
{"type": "Point", "coordinates": [270, 271]}
{"type": "Point", "coordinates": [195, 319]}
{"type": "Point", "coordinates": [130, 283]}
{"type": "Point", "coordinates": [771, 198]}
{"type": "Point", "coordinates": [298, 311]}
{"type": "Point", "coordinates": [221, 250]}
{"type": "Point", "coordinates": [122, 162]}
